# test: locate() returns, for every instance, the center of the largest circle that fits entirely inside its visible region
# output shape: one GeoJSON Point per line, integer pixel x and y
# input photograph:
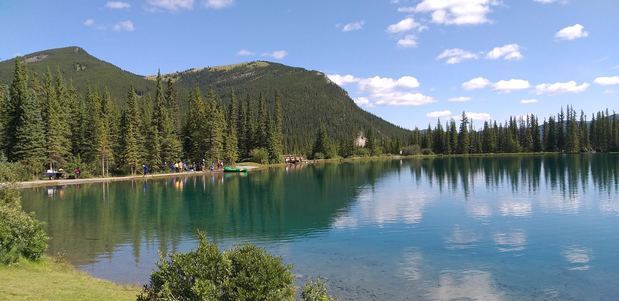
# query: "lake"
{"type": "Point", "coordinates": [496, 228]}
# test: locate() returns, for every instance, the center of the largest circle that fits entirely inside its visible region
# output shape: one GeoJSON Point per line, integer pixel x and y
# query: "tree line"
{"type": "Point", "coordinates": [45, 122]}
{"type": "Point", "coordinates": [568, 132]}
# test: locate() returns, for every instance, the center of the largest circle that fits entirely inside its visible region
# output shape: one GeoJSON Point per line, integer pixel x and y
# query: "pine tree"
{"type": "Point", "coordinates": [25, 139]}
{"type": "Point", "coordinates": [560, 127]}
{"type": "Point", "coordinates": [231, 154]}
{"type": "Point", "coordinates": [322, 144]}
{"type": "Point", "coordinates": [464, 142]}
{"type": "Point", "coordinates": [173, 106]}
{"type": "Point", "coordinates": [57, 132]}
{"type": "Point", "coordinates": [537, 135]}
{"type": "Point", "coordinates": [93, 126]}
{"type": "Point", "coordinates": [275, 135]}
{"type": "Point", "coordinates": [4, 103]}
{"type": "Point", "coordinates": [195, 131]}
{"type": "Point", "coordinates": [453, 136]}
{"type": "Point", "coordinates": [573, 142]}
{"type": "Point", "coordinates": [215, 124]}
{"type": "Point", "coordinates": [439, 138]}
{"type": "Point", "coordinates": [111, 120]}
{"type": "Point", "coordinates": [262, 131]}
{"type": "Point", "coordinates": [164, 129]}
{"type": "Point", "coordinates": [130, 134]}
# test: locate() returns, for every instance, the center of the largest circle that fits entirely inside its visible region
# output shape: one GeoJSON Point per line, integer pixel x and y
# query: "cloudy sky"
{"type": "Point", "coordinates": [408, 61]}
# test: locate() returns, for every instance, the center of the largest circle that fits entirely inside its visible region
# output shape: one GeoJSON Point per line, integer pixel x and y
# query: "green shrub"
{"type": "Point", "coordinates": [362, 152]}
{"type": "Point", "coordinates": [14, 172]}
{"type": "Point", "coordinates": [427, 151]}
{"type": "Point", "coordinates": [318, 156]}
{"type": "Point", "coordinates": [315, 290]}
{"type": "Point", "coordinates": [21, 235]}
{"type": "Point", "coordinates": [259, 155]}
{"type": "Point", "coordinates": [242, 273]}
{"type": "Point", "coordinates": [411, 150]}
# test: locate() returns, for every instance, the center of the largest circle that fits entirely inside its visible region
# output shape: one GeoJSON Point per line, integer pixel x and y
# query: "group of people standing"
{"type": "Point", "coordinates": [182, 166]}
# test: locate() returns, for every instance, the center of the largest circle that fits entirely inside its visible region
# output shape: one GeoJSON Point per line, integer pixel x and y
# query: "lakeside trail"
{"type": "Point", "coordinates": [67, 182]}
{"type": "Point", "coordinates": [252, 167]}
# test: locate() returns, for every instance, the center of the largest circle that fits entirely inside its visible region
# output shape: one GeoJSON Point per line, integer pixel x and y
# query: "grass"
{"type": "Point", "coordinates": [48, 279]}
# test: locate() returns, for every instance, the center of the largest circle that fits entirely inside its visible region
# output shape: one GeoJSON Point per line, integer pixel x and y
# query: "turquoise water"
{"type": "Point", "coordinates": [508, 228]}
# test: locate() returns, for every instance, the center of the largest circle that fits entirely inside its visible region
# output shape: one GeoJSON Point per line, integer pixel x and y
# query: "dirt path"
{"type": "Point", "coordinates": [64, 182]}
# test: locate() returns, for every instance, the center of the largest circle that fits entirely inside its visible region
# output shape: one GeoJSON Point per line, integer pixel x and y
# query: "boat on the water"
{"type": "Point", "coordinates": [234, 169]}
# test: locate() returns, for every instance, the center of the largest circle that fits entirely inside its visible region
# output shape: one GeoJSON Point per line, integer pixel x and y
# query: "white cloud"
{"type": "Point", "coordinates": [363, 102]}
{"type": "Point", "coordinates": [528, 101]}
{"type": "Point", "coordinates": [353, 26]}
{"type": "Point", "coordinates": [478, 116]}
{"type": "Point", "coordinates": [89, 22]}
{"type": "Point", "coordinates": [389, 91]}
{"type": "Point", "coordinates": [558, 88]}
{"type": "Point", "coordinates": [407, 41]}
{"type": "Point", "coordinates": [507, 86]}
{"type": "Point", "coordinates": [218, 4]}
{"type": "Point", "coordinates": [278, 54]}
{"type": "Point", "coordinates": [508, 52]}
{"type": "Point", "coordinates": [403, 26]}
{"type": "Point", "coordinates": [476, 83]}
{"type": "Point", "coordinates": [456, 55]}
{"type": "Point", "coordinates": [245, 52]}
{"type": "Point", "coordinates": [398, 98]}
{"type": "Point", "coordinates": [457, 12]}
{"type": "Point", "coordinates": [439, 114]}
{"type": "Point", "coordinates": [117, 5]}
{"type": "Point", "coordinates": [386, 85]}
{"type": "Point", "coordinates": [460, 99]}
{"type": "Point", "coordinates": [607, 81]}
{"type": "Point", "coordinates": [573, 32]}
{"type": "Point", "coordinates": [406, 9]}
{"type": "Point", "coordinates": [124, 26]}
{"type": "Point", "coordinates": [342, 80]}
{"type": "Point", "coordinates": [545, 1]}
{"type": "Point", "coordinates": [171, 5]}
{"type": "Point", "coordinates": [384, 90]}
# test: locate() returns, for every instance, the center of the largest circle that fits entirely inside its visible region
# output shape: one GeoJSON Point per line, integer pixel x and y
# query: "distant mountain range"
{"type": "Point", "coordinates": [309, 98]}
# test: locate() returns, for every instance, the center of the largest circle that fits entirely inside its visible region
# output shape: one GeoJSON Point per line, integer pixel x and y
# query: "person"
{"type": "Point", "coordinates": [77, 172]}
{"type": "Point", "coordinates": [145, 167]}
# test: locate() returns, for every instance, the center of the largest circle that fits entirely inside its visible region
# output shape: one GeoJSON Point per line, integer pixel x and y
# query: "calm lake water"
{"type": "Point", "coordinates": [508, 228]}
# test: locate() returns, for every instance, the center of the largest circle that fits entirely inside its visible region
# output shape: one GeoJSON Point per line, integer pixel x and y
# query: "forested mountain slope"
{"type": "Point", "coordinates": [309, 98]}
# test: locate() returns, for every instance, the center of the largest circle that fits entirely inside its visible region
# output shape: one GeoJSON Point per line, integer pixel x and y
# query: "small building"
{"type": "Point", "coordinates": [360, 141]}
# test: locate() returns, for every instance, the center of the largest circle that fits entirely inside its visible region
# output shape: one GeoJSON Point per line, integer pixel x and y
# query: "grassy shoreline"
{"type": "Point", "coordinates": [255, 167]}
{"type": "Point", "coordinates": [50, 279]}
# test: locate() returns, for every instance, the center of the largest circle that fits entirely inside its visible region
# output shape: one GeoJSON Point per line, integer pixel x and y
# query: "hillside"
{"type": "Point", "coordinates": [82, 68]}
{"type": "Point", "coordinates": [309, 98]}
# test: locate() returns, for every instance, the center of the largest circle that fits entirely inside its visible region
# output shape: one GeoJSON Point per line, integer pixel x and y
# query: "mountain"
{"type": "Point", "coordinates": [309, 98]}
{"type": "Point", "coordinates": [82, 68]}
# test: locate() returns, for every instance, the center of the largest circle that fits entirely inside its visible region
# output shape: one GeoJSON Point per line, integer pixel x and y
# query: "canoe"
{"type": "Point", "coordinates": [234, 169]}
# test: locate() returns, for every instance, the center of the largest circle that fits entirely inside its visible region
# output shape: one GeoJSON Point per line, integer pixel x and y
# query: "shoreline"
{"type": "Point", "coordinates": [252, 167]}
{"type": "Point", "coordinates": [70, 182]}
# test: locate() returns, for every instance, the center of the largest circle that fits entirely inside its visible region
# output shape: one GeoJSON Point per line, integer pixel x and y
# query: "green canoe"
{"type": "Point", "coordinates": [234, 169]}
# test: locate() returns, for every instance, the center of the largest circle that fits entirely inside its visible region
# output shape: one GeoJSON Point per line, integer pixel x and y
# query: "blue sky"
{"type": "Point", "coordinates": [408, 61]}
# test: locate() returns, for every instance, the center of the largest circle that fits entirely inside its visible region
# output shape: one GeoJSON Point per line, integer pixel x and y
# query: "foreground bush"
{"type": "Point", "coordinates": [411, 150]}
{"type": "Point", "coordinates": [242, 273]}
{"type": "Point", "coordinates": [260, 155]}
{"type": "Point", "coordinates": [315, 290]}
{"type": "Point", "coordinates": [21, 235]}
{"type": "Point", "coordinates": [13, 172]}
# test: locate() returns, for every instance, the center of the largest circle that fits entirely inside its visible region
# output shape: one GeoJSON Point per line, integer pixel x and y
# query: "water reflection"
{"type": "Point", "coordinates": [432, 228]}
{"type": "Point", "coordinates": [466, 285]}
{"type": "Point", "coordinates": [516, 240]}
{"type": "Point", "coordinates": [578, 257]}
